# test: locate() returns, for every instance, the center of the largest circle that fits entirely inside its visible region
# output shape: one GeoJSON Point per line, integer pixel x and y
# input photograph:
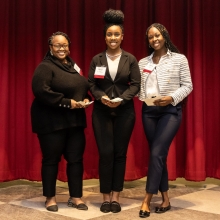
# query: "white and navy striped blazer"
{"type": "Point", "coordinates": [173, 76]}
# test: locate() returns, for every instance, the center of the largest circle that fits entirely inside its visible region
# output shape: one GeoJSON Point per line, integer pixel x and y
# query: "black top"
{"type": "Point", "coordinates": [126, 83]}
{"type": "Point", "coordinates": [54, 85]}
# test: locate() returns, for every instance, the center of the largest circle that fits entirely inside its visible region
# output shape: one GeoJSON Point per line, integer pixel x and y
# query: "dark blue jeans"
{"type": "Point", "coordinates": [160, 125]}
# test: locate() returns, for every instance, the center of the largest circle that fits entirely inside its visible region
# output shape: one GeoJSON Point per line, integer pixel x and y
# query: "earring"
{"type": "Point", "coordinates": [149, 46]}
{"type": "Point", "coordinates": [51, 53]}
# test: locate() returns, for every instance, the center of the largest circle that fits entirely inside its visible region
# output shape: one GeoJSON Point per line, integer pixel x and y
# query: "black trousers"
{"type": "Point", "coordinates": [70, 143]}
{"type": "Point", "coordinates": [113, 128]}
{"type": "Point", "coordinates": [160, 125]}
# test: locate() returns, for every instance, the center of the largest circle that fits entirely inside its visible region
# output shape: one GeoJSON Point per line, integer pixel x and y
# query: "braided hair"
{"type": "Point", "coordinates": [168, 43]}
{"type": "Point", "coordinates": [58, 33]}
{"type": "Point", "coordinates": [113, 17]}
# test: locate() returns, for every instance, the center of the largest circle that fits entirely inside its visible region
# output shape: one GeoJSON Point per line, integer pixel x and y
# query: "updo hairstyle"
{"type": "Point", "coordinates": [113, 17]}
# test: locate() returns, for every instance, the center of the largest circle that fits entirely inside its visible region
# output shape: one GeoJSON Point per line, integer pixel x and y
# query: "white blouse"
{"type": "Point", "coordinates": [113, 66]}
{"type": "Point", "coordinates": [151, 85]}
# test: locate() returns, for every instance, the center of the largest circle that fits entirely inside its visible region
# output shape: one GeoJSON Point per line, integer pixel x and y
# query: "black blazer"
{"type": "Point", "coordinates": [126, 83]}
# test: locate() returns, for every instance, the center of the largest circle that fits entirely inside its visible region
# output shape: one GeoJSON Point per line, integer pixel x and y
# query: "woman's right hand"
{"type": "Point", "coordinates": [104, 101]}
{"type": "Point", "coordinates": [75, 104]}
{"type": "Point", "coordinates": [110, 104]}
{"type": "Point", "coordinates": [164, 101]}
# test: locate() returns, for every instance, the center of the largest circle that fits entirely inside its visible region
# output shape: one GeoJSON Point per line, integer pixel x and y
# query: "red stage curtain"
{"type": "Point", "coordinates": [194, 27]}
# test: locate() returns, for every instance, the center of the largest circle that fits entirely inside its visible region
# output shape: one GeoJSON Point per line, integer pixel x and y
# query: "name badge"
{"type": "Point", "coordinates": [100, 72]}
{"type": "Point", "coordinates": [149, 68]}
{"type": "Point", "coordinates": [78, 70]}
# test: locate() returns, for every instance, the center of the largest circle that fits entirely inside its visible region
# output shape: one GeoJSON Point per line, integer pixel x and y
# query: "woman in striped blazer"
{"type": "Point", "coordinates": [165, 83]}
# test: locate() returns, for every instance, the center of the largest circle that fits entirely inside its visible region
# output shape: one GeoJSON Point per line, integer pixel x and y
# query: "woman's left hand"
{"type": "Point", "coordinates": [113, 104]}
{"type": "Point", "coordinates": [164, 101]}
{"type": "Point", "coordinates": [86, 101]}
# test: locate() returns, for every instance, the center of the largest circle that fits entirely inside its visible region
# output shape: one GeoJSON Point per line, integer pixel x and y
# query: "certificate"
{"type": "Point", "coordinates": [113, 100]}
{"type": "Point", "coordinates": [85, 103]}
{"type": "Point", "coordinates": [150, 100]}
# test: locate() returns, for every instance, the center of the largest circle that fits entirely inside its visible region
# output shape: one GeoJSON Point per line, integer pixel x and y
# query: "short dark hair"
{"type": "Point", "coordinates": [58, 33]}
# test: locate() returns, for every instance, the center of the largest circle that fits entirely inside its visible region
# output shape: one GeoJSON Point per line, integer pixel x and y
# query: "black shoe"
{"type": "Point", "coordinates": [105, 207]}
{"type": "Point", "coordinates": [160, 210]}
{"type": "Point", "coordinates": [115, 207]}
{"type": "Point", "coordinates": [52, 208]}
{"type": "Point", "coordinates": [144, 214]}
{"type": "Point", "coordinates": [81, 206]}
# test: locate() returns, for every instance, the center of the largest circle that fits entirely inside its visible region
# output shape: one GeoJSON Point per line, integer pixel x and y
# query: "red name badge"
{"type": "Point", "coordinates": [100, 72]}
{"type": "Point", "coordinates": [149, 68]}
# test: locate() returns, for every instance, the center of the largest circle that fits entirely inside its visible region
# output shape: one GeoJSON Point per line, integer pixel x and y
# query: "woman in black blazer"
{"type": "Point", "coordinates": [113, 73]}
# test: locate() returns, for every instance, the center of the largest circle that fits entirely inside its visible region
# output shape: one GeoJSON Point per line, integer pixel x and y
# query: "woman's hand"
{"type": "Point", "coordinates": [164, 101]}
{"type": "Point", "coordinates": [109, 103]}
{"type": "Point", "coordinates": [86, 101]}
{"type": "Point", "coordinates": [104, 101]}
{"type": "Point", "coordinates": [114, 104]}
{"type": "Point", "coordinates": [75, 104]}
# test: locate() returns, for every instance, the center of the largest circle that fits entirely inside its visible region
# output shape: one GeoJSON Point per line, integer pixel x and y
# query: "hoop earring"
{"type": "Point", "coordinates": [51, 53]}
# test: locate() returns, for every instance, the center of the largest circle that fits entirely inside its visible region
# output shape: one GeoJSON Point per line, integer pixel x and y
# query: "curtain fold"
{"type": "Point", "coordinates": [194, 28]}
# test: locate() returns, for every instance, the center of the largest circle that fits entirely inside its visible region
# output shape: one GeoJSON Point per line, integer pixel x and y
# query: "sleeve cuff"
{"type": "Point", "coordinates": [65, 103]}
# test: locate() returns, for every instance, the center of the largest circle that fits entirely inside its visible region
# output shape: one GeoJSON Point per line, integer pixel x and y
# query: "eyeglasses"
{"type": "Point", "coordinates": [59, 46]}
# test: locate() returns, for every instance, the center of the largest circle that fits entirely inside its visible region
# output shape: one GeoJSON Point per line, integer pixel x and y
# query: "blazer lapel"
{"type": "Point", "coordinates": [103, 60]}
{"type": "Point", "coordinates": [122, 62]}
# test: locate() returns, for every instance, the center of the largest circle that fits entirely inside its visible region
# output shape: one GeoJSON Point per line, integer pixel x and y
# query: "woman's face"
{"type": "Point", "coordinates": [113, 37]}
{"type": "Point", "coordinates": [60, 47]}
{"type": "Point", "coordinates": [155, 39]}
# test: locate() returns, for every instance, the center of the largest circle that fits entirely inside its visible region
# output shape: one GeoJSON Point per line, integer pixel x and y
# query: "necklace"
{"type": "Point", "coordinates": [112, 56]}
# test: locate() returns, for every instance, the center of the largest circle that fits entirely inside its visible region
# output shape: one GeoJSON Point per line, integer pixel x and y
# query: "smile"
{"type": "Point", "coordinates": [113, 43]}
{"type": "Point", "coordinates": [61, 53]}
